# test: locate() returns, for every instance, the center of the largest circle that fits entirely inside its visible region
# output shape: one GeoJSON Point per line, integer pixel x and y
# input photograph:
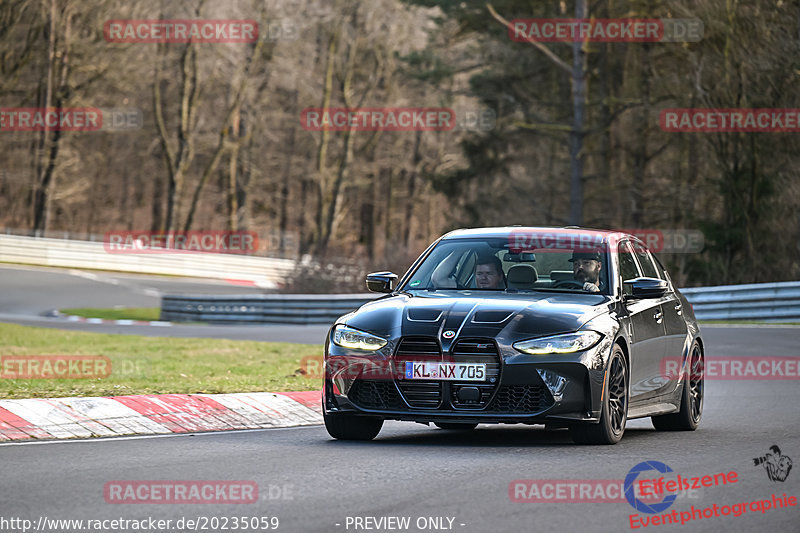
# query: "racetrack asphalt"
{"type": "Point", "coordinates": [29, 294]}
{"type": "Point", "coordinates": [416, 471]}
{"type": "Point", "coordinates": [312, 483]}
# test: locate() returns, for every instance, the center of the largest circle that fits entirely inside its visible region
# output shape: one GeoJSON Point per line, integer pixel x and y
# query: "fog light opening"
{"type": "Point", "coordinates": [556, 383]}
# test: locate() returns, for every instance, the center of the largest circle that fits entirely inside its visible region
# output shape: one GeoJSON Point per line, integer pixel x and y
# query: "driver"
{"type": "Point", "coordinates": [586, 268]}
{"type": "Point", "coordinates": [488, 273]}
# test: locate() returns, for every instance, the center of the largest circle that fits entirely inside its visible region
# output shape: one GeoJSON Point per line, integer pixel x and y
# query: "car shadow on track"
{"type": "Point", "coordinates": [485, 436]}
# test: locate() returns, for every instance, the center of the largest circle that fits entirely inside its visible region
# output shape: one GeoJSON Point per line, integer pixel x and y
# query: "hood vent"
{"type": "Point", "coordinates": [423, 314]}
{"type": "Point", "coordinates": [491, 316]}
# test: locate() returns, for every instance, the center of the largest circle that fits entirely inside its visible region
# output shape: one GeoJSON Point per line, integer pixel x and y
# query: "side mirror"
{"type": "Point", "coordinates": [381, 281]}
{"type": "Point", "coordinates": [646, 287]}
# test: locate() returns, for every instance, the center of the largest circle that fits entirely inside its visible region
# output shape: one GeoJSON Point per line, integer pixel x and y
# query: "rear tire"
{"type": "Point", "coordinates": [691, 411]}
{"type": "Point", "coordinates": [614, 410]}
{"type": "Point", "coordinates": [343, 426]}
{"type": "Point", "coordinates": [462, 426]}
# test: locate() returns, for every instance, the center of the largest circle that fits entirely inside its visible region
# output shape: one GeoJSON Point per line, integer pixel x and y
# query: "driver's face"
{"type": "Point", "coordinates": [486, 277]}
{"type": "Point", "coordinates": [586, 270]}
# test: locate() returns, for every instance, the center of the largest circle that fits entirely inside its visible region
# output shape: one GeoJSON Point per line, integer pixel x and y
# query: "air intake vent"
{"type": "Point", "coordinates": [522, 399]}
{"type": "Point", "coordinates": [375, 394]}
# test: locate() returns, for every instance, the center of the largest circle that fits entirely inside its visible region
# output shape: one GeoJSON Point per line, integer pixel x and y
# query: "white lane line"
{"type": "Point", "coordinates": [82, 274]}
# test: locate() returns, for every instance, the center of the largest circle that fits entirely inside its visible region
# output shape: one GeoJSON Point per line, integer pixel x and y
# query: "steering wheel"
{"type": "Point", "coordinates": [567, 283]}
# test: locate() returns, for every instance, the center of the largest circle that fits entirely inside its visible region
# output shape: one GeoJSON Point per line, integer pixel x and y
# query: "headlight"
{"type": "Point", "coordinates": [347, 337]}
{"type": "Point", "coordinates": [567, 343]}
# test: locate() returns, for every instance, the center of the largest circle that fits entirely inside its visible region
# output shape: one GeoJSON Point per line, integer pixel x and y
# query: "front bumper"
{"type": "Point", "coordinates": [370, 383]}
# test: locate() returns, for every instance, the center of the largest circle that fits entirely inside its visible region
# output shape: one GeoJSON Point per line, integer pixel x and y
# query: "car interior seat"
{"type": "Point", "coordinates": [521, 277]}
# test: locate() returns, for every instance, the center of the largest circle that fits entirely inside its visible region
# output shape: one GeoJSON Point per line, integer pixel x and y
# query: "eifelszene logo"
{"type": "Point", "coordinates": [638, 504]}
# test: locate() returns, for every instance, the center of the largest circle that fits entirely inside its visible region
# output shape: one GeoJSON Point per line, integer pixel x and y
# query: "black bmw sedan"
{"type": "Point", "coordinates": [565, 327]}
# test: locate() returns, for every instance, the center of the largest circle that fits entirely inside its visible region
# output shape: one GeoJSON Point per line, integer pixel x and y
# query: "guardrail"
{"type": "Point", "coordinates": [770, 302]}
{"type": "Point", "coordinates": [778, 302]}
{"type": "Point", "coordinates": [264, 271]}
{"type": "Point", "coordinates": [261, 309]}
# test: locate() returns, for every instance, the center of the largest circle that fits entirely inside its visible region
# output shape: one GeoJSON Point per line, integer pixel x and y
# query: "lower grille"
{"type": "Point", "coordinates": [418, 393]}
{"type": "Point", "coordinates": [375, 394]}
{"type": "Point", "coordinates": [476, 351]}
{"type": "Point", "coordinates": [521, 399]}
{"type": "Point", "coordinates": [423, 394]}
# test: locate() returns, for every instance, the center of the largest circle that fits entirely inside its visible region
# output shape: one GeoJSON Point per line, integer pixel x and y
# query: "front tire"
{"type": "Point", "coordinates": [691, 411]}
{"type": "Point", "coordinates": [614, 410]}
{"type": "Point", "coordinates": [345, 426]}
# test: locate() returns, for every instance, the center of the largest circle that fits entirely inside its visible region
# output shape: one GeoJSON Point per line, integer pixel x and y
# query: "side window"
{"type": "Point", "coordinates": [646, 262]}
{"type": "Point", "coordinates": [627, 264]}
{"type": "Point", "coordinates": [662, 272]}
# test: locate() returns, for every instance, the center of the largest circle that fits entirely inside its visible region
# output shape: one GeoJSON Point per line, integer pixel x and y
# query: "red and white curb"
{"type": "Point", "coordinates": [76, 418]}
{"type": "Point", "coordinates": [124, 322]}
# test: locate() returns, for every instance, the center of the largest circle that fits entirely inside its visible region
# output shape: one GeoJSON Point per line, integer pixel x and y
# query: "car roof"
{"type": "Point", "coordinates": [504, 231]}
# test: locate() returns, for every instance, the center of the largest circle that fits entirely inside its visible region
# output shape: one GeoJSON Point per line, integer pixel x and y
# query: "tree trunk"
{"type": "Point", "coordinates": [49, 142]}
{"type": "Point", "coordinates": [576, 135]}
{"type": "Point", "coordinates": [322, 149]}
{"type": "Point", "coordinates": [287, 173]}
{"type": "Point", "coordinates": [412, 185]}
{"type": "Point", "coordinates": [229, 128]}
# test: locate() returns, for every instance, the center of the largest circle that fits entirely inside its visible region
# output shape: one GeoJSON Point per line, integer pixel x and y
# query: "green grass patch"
{"type": "Point", "coordinates": [154, 365]}
{"type": "Point", "coordinates": [116, 313]}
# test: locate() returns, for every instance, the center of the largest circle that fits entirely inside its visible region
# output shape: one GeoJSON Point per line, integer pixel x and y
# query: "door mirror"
{"type": "Point", "coordinates": [646, 287]}
{"type": "Point", "coordinates": [381, 281]}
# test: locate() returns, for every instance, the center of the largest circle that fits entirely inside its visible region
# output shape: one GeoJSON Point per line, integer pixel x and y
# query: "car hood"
{"type": "Point", "coordinates": [467, 314]}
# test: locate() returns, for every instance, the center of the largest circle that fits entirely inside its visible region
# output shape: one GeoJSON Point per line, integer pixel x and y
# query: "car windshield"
{"type": "Point", "coordinates": [537, 263]}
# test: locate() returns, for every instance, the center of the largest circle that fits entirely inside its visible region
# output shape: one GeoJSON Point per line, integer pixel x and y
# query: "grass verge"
{"type": "Point", "coordinates": [118, 313]}
{"type": "Point", "coordinates": [153, 365]}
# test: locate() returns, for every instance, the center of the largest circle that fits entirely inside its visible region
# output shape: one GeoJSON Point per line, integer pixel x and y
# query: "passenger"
{"type": "Point", "coordinates": [586, 267]}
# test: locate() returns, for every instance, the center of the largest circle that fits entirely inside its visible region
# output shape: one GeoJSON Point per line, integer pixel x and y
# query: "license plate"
{"type": "Point", "coordinates": [446, 371]}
